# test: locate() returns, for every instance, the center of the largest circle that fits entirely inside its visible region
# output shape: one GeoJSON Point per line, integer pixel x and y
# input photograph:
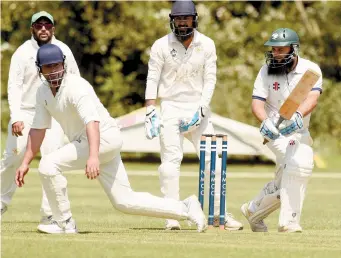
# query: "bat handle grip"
{"type": "Point", "coordinates": [280, 120]}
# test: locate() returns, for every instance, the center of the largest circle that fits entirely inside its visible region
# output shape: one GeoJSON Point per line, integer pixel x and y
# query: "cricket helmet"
{"type": "Point", "coordinates": [183, 8]}
{"type": "Point", "coordinates": [51, 54]}
{"type": "Point", "coordinates": [283, 37]}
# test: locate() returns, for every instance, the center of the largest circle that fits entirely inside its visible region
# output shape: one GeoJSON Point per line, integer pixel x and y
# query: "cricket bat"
{"type": "Point", "coordinates": [297, 96]}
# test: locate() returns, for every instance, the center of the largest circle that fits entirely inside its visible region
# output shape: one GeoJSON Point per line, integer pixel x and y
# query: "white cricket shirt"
{"type": "Point", "coordinates": [23, 79]}
{"type": "Point", "coordinates": [181, 75]}
{"type": "Point", "coordinates": [274, 89]}
{"type": "Point", "coordinates": [74, 105]}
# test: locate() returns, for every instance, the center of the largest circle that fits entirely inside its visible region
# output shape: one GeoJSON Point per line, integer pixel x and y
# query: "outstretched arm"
{"type": "Point", "coordinates": [34, 141]}
{"type": "Point", "coordinates": [92, 165]}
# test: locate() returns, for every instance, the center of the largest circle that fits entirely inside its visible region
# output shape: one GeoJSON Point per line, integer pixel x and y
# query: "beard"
{"type": "Point", "coordinates": [42, 41]}
{"type": "Point", "coordinates": [282, 69]}
{"type": "Point", "coordinates": [183, 33]}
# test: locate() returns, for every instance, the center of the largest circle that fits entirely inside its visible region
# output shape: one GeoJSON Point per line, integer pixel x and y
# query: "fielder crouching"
{"type": "Point", "coordinates": [291, 143]}
{"type": "Point", "coordinates": [95, 143]}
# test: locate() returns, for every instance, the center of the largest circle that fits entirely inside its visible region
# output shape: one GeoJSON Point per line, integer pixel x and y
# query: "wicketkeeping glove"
{"type": "Point", "coordinates": [186, 126]}
{"type": "Point", "coordinates": [288, 127]}
{"type": "Point", "coordinates": [269, 130]}
{"type": "Point", "coordinates": [152, 123]}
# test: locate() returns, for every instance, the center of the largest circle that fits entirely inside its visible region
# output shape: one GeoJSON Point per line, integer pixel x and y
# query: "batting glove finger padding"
{"type": "Point", "coordinates": [294, 124]}
{"type": "Point", "coordinates": [269, 130]}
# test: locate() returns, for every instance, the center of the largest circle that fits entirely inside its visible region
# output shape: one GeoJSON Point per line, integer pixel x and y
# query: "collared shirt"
{"type": "Point", "coordinates": [275, 89]}
{"type": "Point", "coordinates": [24, 80]}
{"type": "Point", "coordinates": [179, 74]}
{"type": "Point", "coordinates": [75, 105]}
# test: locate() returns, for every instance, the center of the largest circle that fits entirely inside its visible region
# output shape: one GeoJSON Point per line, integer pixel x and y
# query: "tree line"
{"type": "Point", "coordinates": [111, 43]}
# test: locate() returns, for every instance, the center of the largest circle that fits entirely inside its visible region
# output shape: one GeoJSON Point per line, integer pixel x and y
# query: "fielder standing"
{"type": "Point", "coordinates": [95, 143]}
{"type": "Point", "coordinates": [182, 73]}
{"type": "Point", "coordinates": [23, 82]}
{"type": "Point", "coordinates": [292, 142]}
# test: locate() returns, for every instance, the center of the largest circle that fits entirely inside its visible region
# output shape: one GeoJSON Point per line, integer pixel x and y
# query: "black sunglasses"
{"type": "Point", "coordinates": [39, 26]}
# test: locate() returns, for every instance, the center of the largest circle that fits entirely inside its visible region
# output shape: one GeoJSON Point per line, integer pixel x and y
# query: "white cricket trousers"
{"type": "Point", "coordinates": [295, 163]}
{"type": "Point", "coordinates": [171, 141]}
{"type": "Point", "coordinates": [113, 178]}
{"type": "Point", "coordinates": [14, 153]}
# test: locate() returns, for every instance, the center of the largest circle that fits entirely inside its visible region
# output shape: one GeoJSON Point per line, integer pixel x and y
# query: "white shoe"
{"type": "Point", "coordinates": [172, 224]}
{"type": "Point", "coordinates": [255, 226]}
{"type": "Point", "coordinates": [232, 224]}
{"type": "Point", "coordinates": [67, 227]}
{"type": "Point", "coordinates": [3, 209]}
{"type": "Point", "coordinates": [290, 229]}
{"type": "Point", "coordinates": [195, 213]}
{"type": "Point", "coordinates": [45, 220]}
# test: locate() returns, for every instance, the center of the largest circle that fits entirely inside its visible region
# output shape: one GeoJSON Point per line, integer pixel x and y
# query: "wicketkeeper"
{"type": "Point", "coordinates": [182, 74]}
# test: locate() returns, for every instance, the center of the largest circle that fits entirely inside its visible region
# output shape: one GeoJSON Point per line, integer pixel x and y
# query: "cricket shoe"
{"type": "Point", "coordinates": [255, 226]}
{"type": "Point", "coordinates": [172, 224]}
{"type": "Point", "coordinates": [3, 209]}
{"type": "Point", "coordinates": [45, 220]}
{"type": "Point", "coordinates": [230, 224]}
{"type": "Point", "coordinates": [195, 213]}
{"type": "Point", "coordinates": [294, 228]}
{"type": "Point", "coordinates": [66, 227]}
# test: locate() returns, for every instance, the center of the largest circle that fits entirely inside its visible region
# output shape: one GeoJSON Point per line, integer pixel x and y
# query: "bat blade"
{"type": "Point", "coordinates": [299, 94]}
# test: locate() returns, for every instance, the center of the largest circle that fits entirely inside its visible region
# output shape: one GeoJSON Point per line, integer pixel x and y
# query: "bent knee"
{"type": "Point", "coordinates": [123, 202]}
{"type": "Point", "coordinates": [47, 166]}
{"type": "Point", "coordinates": [299, 159]}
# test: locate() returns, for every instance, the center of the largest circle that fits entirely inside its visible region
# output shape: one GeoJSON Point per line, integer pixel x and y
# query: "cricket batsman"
{"type": "Point", "coordinates": [182, 74]}
{"type": "Point", "coordinates": [291, 143]}
{"type": "Point", "coordinates": [23, 82]}
{"type": "Point", "coordinates": [95, 143]}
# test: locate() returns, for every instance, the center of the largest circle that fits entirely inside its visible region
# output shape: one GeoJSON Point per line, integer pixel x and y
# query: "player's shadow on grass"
{"type": "Point", "coordinates": [19, 222]}
{"type": "Point", "coordinates": [162, 229]}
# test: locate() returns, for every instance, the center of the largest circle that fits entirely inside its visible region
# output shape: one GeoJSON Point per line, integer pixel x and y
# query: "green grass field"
{"type": "Point", "coordinates": [105, 232]}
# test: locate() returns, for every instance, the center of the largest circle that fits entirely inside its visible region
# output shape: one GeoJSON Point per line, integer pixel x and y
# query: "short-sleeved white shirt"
{"type": "Point", "coordinates": [74, 105]}
{"type": "Point", "coordinates": [275, 89]}
{"type": "Point", "coordinates": [24, 80]}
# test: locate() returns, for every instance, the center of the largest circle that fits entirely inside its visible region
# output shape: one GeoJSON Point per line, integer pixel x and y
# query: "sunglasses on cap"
{"type": "Point", "coordinates": [39, 26]}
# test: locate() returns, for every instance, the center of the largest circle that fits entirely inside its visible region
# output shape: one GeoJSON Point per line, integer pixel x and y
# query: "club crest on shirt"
{"type": "Point", "coordinates": [173, 52]}
{"type": "Point", "coordinates": [276, 86]}
{"type": "Point", "coordinates": [198, 49]}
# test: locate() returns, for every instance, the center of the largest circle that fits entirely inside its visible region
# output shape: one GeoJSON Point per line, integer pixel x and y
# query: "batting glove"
{"type": "Point", "coordinates": [269, 130]}
{"type": "Point", "coordinates": [152, 123]}
{"type": "Point", "coordinates": [290, 126]}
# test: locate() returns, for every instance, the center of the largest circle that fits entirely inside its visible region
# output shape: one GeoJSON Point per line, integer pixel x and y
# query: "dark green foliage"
{"type": "Point", "coordinates": [111, 41]}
